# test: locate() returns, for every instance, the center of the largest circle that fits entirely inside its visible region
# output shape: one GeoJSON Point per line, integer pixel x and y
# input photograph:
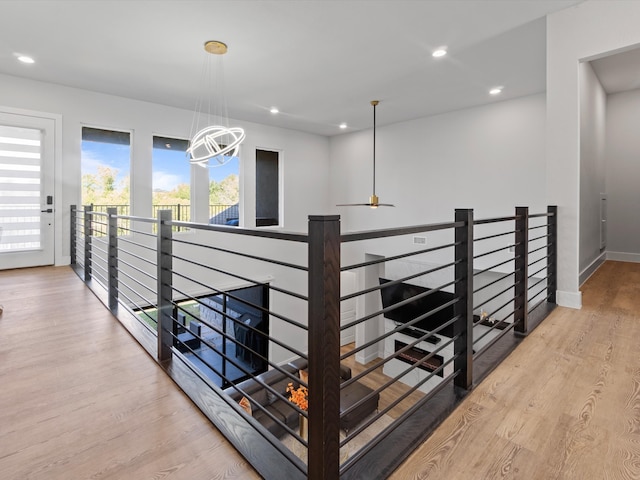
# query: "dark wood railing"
{"type": "Point", "coordinates": [157, 271]}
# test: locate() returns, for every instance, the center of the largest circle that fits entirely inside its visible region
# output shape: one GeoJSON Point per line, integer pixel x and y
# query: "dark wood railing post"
{"type": "Point", "coordinates": [73, 232]}
{"type": "Point", "coordinates": [112, 229]}
{"type": "Point", "coordinates": [165, 289]}
{"type": "Point", "coordinates": [552, 252]}
{"type": "Point", "coordinates": [521, 267]}
{"type": "Point", "coordinates": [463, 308]}
{"type": "Point", "coordinates": [88, 233]}
{"type": "Point", "coordinates": [324, 347]}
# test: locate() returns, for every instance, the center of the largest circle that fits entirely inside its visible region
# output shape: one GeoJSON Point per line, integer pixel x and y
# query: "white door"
{"type": "Point", "coordinates": [26, 191]}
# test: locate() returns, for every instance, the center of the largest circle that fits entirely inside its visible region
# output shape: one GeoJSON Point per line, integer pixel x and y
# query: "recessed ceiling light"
{"type": "Point", "coordinates": [440, 52]}
{"type": "Point", "coordinates": [495, 91]}
{"type": "Point", "coordinates": [25, 59]}
{"type": "Point", "coordinates": [274, 110]}
{"type": "Point", "coordinates": [343, 125]}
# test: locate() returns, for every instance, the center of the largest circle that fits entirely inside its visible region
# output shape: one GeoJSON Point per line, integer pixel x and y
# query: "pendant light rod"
{"type": "Point", "coordinates": [374, 201]}
{"type": "Point", "coordinates": [374, 103]}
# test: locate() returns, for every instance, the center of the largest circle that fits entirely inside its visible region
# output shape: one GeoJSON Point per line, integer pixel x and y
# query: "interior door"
{"type": "Point", "coordinates": [26, 191]}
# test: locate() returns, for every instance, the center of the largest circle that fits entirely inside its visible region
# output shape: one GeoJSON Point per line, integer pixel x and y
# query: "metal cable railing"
{"type": "Point", "coordinates": [249, 323]}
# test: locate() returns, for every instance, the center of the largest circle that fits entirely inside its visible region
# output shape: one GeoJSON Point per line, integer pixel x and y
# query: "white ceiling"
{"type": "Point", "coordinates": [619, 72]}
{"type": "Point", "coordinates": [320, 62]}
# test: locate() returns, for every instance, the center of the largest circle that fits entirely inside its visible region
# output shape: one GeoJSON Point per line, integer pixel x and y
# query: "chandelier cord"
{"type": "Point", "coordinates": [215, 141]}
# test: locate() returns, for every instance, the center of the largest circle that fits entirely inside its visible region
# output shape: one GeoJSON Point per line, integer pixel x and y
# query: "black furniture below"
{"type": "Point", "coordinates": [189, 338]}
{"type": "Point", "coordinates": [349, 396]}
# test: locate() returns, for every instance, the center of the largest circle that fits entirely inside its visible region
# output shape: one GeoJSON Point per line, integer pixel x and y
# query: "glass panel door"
{"type": "Point", "coordinates": [26, 191]}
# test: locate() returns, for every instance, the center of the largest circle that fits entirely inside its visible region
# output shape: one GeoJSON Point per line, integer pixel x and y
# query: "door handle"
{"type": "Point", "coordinates": [48, 210]}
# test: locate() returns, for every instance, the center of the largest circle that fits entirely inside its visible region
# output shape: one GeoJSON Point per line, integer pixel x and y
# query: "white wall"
{"type": "Point", "coordinates": [623, 172]}
{"type": "Point", "coordinates": [488, 158]}
{"type": "Point", "coordinates": [584, 32]}
{"type": "Point", "coordinates": [593, 102]}
{"type": "Point", "coordinates": [304, 156]}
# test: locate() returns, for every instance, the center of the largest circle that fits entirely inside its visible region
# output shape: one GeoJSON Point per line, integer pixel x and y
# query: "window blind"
{"type": "Point", "coordinates": [20, 192]}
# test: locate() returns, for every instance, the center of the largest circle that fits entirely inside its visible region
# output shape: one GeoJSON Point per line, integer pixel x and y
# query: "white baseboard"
{"type": "Point", "coordinates": [65, 260]}
{"type": "Point", "coordinates": [591, 269]}
{"type": "Point", "coordinates": [624, 257]}
{"type": "Point", "coordinates": [347, 339]}
{"type": "Point", "coordinates": [364, 359]}
{"type": "Point", "coordinates": [569, 299]}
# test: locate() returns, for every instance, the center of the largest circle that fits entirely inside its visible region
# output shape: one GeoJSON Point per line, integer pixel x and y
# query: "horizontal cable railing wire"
{"type": "Point", "coordinates": [240, 277]}
{"type": "Point", "coordinates": [138, 257]}
{"type": "Point", "coordinates": [496, 235]}
{"type": "Point", "coordinates": [501, 292]}
{"type": "Point", "coordinates": [501, 249]}
{"type": "Point", "coordinates": [485, 221]}
{"type": "Point", "coordinates": [395, 232]}
{"type": "Point", "coordinates": [541, 215]}
{"type": "Point", "coordinates": [540, 237]}
{"type": "Point", "coordinates": [291, 237]}
{"type": "Point", "coordinates": [244, 255]}
{"type": "Point", "coordinates": [274, 314]}
{"type": "Point", "coordinates": [497, 280]}
{"type": "Point", "coordinates": [249, 327]}
{"type": "Point", "coordinates": [399, 352]}
{"type": "Point", "coordinates": [138, 309]}
{"type": "Point", "coordinates": [544, 279]}
{"type": "Point", "coordinates": [98, 277]}
{"type": "Point", "coordinates": [541, 302]}
{"type": "Point", "coordinates": [138, 282]}
{"type": "Point", "coordinates": [397, 257]}
{"type": "Point", "coordinates": [395, 282]}
{"type": "Point", "coordinates": [493, 267]}
{"type": "Point", "coordinates": [481, 351]}
{"type": "Point", "coordinates": [539, 271]}
{"type": "Point", "coordinates": [539, 249]}
{"type": "Point", "coordinates": [398, 305]}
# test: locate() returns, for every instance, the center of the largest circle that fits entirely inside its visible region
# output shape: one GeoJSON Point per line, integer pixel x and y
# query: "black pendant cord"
{"type": "Point", "coordinates": [374, 148]}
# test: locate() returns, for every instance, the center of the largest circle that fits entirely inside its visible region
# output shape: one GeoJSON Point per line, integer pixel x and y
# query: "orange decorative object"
{"type": "Point", "coordinates": [299, 396]}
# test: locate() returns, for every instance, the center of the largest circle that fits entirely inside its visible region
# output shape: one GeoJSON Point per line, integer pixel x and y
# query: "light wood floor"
{"type": "Point", "coordinates": [564, 405]}
{"type": "Point", "coordinates": [80, 399]}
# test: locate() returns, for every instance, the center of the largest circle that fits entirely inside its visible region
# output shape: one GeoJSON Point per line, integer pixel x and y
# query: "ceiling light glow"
{"type": "Point", "coordinates": [440, 52]}
{"type": "Point", "coordinates": [495, 91]}
{"type": "Point", "coordinates": [274, 110]}
{"type": "Point", "coordinates": [343, 125]}
{"type": "Point", "coordinates": [25, 59]}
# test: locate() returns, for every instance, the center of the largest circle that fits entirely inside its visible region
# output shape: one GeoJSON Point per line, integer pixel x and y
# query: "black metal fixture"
{"type": "Point", "coordinates": [374, 201]}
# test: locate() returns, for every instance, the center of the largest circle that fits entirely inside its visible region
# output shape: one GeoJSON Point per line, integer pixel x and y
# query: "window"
{"type": "Point", "coordinates": [224, 192]}
{"type": "Point", "coordinates": [106, 158]}
{"type": "Point", "coordinates": [171, 177]}
{"type": "Point", "coordinates": [20, 193]}
{"type": "Point", "coordinates": [267, 188]}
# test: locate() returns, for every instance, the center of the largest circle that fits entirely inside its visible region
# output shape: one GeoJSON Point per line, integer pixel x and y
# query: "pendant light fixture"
{"type": "Point", "coordinates": [374, 201]}
{"type": "Point", "coordinates": [216, 143]}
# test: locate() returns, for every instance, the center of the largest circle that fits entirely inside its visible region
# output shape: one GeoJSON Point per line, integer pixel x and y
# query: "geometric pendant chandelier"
{"type": "Point", "coordinates": [374, 201]}
{"type": "Point", "coordinates": [214, 143]}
